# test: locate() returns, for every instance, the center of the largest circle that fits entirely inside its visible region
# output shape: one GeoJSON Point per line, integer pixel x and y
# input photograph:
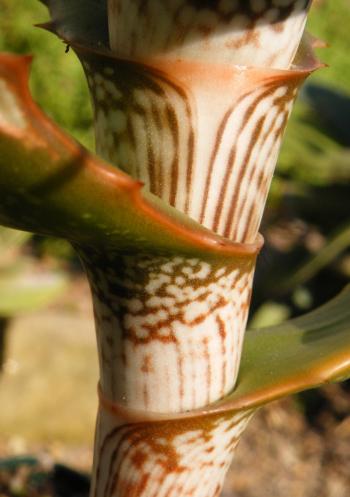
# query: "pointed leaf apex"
{"type": "Point", "coordinates": [48, 26]}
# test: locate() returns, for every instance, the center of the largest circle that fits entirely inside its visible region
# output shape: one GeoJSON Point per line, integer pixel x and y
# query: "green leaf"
{"type": "Point", "coordinates": [51, 185]}
{"type": "Point", "coordinates": [302, 353]}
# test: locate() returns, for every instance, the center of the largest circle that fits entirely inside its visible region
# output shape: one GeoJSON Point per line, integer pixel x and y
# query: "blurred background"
{"type": "Point", "coordinates": [48, 367]}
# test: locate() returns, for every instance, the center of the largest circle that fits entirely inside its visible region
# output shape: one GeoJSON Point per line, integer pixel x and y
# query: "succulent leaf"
{"type": "Point", "coordinates": [303, 353]}
{"type": "Point", "coordinates": [51, 185]}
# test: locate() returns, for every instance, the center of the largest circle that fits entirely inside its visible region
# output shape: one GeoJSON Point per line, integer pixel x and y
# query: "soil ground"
{"type": "Point", "coordinates": [294, 448]}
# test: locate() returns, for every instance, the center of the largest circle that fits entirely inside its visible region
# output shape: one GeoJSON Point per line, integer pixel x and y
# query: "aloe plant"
{"type": "Point", "coordinates": [191, 99]}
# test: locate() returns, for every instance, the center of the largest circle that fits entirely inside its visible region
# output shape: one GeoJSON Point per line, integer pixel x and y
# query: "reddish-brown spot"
{"type": "Point", "coordinates": [139, 458]}
{"type": "Point", "coordinates": [147, 365]}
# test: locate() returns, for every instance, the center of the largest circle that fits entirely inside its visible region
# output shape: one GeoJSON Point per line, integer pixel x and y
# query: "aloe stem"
{"type": "Point", "coordinates": [193, 109]}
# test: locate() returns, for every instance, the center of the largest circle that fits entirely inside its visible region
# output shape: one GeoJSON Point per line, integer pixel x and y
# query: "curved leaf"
{"type": "Point", "coordinates": [51, 185]}
{"type": "Point", "coordinates": [299, 354]}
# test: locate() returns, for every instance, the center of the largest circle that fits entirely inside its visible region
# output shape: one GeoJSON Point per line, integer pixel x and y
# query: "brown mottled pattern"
{"type": "Point", "coordinates": [184, 458]}
{"type": "Point", "coordinates": [170, 330]}
{"type": "Point", "coordinates": [154, 137]}
{"type": "Point", "coordinates": [210, 156]}
{"type": "Point", "coordinates": [141, 28]}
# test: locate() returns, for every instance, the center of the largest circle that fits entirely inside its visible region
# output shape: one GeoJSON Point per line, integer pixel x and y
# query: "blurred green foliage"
{"type": "Point", "coordinates": [310, 154]}
{"type": "Point", "coordinates": [57, 83]}
{"type": "Point", "coordinates": [329, 21]}
{"type": "Point", "coordinates": [57, 80]}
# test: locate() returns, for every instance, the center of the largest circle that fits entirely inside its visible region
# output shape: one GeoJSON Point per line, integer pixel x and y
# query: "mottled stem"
{"type": "Point", "coordinates": [176, 458]}
{"type": "Point", "coordinates": [170, 333]}
{"type": "Point", "coordinates": [206, 145]}
{"type": "Point", "coordinates": [170, 329]}
{"type": "Point", "coordinates": [177, 107]}
{"type": "Point", "coordinates": [259, 33]}
{"type": "Point", "coordinates": [191, 98]}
